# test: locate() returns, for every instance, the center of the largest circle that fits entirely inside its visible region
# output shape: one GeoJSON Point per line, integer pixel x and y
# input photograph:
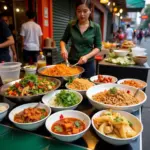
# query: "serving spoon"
{"type": "Point", "coordinates": [136, 92]}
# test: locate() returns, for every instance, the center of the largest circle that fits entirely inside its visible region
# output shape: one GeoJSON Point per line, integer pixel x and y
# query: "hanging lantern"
{"type": "Point", "coordinates": [115, 9]}
{"type": "Point", "coordinates": [104, 1]}
{"type": "Point", "coordinates": [114, 4]}
{"type": "Point", "coordinates": [121, 10]}
{"type": "Point", "coordinates": [121, 17]}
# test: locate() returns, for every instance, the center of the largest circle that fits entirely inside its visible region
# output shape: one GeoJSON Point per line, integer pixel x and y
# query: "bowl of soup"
{"type": "Point", "coordinates": [68, 125]}
{"type": "Point", "coordinates": [140, 60]}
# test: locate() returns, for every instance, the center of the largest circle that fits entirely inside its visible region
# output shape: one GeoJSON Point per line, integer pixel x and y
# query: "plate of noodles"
{"type": "Point", "coordinates": [61, 70]}
{"type": "Point", "coordinates": [116, 96]}
{"type": "Point", "coordinates": [80, 85]}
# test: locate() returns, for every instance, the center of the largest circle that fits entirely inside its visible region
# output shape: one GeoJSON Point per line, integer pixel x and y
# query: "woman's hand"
{"type": "Point", "coordinates": [83, 60]}
{"type": "Point", "coordinates": [64, 54]}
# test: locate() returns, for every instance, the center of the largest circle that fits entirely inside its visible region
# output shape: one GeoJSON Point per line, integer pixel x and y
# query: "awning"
{"type": "Point", "coordinates": [135, 5]}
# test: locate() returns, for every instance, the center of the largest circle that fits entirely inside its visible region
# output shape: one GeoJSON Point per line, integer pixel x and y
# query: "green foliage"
{"type": "Point", "coordinates": [146, 22]}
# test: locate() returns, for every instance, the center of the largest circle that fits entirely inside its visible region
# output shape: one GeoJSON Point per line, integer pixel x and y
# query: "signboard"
{"type": "Point", "coordinates": [45, 12]}
{"type": "Point", "coordinates": [126, 20]}
{"type": "Point", "coordinates": [144, 17]}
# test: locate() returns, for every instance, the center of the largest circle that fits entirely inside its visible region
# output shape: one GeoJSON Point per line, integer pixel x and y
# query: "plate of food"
{"type": "Point", "coordinates": [133, 82]}
{"type": "Point", "coordinates": [68, 125]}
{"type": "Point", "coordinates": [80, 85]}
{"type": "Point", "coordinates": [100, 79]}
{"type": "Point", "coordinates": [116, 127]}
{"type": "Point", "coordinates": [61, 70]}
{"type": "Point", "coordinates": [21, 116]}
{"type": "Point", "coordinates": [116, 96]}
{"type": "Point", "coordinates": [30, 88]}
{"type": "Point", "coordinates": [62, 100]}
{"type": "Point", "coordinates": [127, 44]}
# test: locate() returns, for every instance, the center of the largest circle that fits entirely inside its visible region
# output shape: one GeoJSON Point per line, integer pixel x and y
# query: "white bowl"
{"type": "Point", "coordinates": [121, 53]}
{"type": "Point", "coordinates": [68, 114]}
{"type": "Point", "coordinates": [50, 97]}
{"type": "Point", "coordinates": [30, 70]}
{"type": "Point", "coordinates": [114, 79]}
{"type": "Point", "coordinates": [137, 125]}
{"type": "Point", "coordinates": [102, 87]}
{"type": "Point", "coordinates": [82, 92]}
{"type": "Point", "coordinates": [28, 126]}
{"type": "Point", "coordinates": [4, 112]}
{"type": "Point", "coordinates": [139, 49]}
{"type": "Point", "coordinates": [137, 80]}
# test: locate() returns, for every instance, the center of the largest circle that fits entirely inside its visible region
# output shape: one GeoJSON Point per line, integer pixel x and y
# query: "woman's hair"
{"type": "Point", "coordinates": [81, 2]}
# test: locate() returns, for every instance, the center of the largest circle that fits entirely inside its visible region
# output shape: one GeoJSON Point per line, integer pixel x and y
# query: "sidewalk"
{"type": "Point", "coordinates": [146, 108]}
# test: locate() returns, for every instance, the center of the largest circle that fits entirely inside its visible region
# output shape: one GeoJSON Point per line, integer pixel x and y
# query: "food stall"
{"type": "Point", "coordinates": [44, 88]}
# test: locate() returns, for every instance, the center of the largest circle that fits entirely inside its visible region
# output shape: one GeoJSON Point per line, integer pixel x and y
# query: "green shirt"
{"type": "Point", "coordinates": [82, 44]}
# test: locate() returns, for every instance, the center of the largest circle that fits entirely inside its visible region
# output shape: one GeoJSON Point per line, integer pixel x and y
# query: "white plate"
{"type": "Point", "coordinates": [114, 79]}
{"type": "Point", "coordinates": [137, 80]}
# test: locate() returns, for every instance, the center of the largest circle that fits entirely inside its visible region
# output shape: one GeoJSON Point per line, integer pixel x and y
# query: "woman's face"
{"type": "Point", "coordinates": [83, 13]}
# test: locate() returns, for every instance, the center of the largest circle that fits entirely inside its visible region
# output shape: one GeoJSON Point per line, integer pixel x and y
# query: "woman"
{"type": "Point", "coordinates": [85, 38]}
{"type": "Point", "coordinates": [120, 35]}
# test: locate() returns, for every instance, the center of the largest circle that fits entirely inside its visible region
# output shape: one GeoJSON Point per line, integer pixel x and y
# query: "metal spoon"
{"type": "Point", "coordinates": [36, 106]}
{"type": "Point", "coordinates": [67, 63]}
{"type": "Point", "coordinates": [136, 92]}
{"type": "Point", "coordinates": [74, 65]}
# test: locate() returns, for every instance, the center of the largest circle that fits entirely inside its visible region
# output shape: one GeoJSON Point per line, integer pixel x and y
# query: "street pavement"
{"type": "Point", "coordinates": [146, 108]}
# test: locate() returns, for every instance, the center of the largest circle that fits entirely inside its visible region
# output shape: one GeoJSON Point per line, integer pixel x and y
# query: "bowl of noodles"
{"type": "Point", "coordinates": [61, 71]}
{"type": "Point", "coordinates": [116, 127]}
{"type": "Point", "coordinates": [80, 85]}
{"type": "Point", "coordinates": [116, 96]}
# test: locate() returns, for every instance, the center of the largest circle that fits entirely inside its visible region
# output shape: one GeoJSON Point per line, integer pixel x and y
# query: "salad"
{"type": "Point", "coordinates": [126, 60]}
{"type": "Point", "coordinates": [30, 85]}
{"type": "Point", "coordinates": [66, 98]}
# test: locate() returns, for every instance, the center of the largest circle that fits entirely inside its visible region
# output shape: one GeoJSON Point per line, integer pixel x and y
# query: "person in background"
{"type": "Point", "coordinates": [12, 49]}
{"type": "Point", "coordinates": [31, 35]}
{"type": "Point", "coordinates": [129, 33]}
{"type": "Point", "coordinates": [134, 36]}
{"type": "Point", "coordinates": [6, 40]}
{"type": "Point", "coordinates": [85, 38]}
{"type": "Point", "coordinates": [145, 35]}
{"type": "Point", "coordinates": [140, 36]}
{"type": "Point", "coordinates": [120, 35]}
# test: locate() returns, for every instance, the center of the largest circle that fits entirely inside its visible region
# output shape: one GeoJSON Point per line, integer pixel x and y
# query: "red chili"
{"type": "Point", "coordinates": [31, 84]}
{"type": "Point", "coordinates": [61, 116]}
{"type": "Point", "coordinates": [128, 92]}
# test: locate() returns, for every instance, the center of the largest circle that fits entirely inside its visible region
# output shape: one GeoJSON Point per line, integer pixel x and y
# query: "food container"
{"type": "Point", "coordinates": [30, 69]}
{"type": "Point", "coordinates": [121, 53]}
{"type": "Point", "coordinates": [3, 110]}
{"type": "Point", "coordinates": [9, 71]}
{"type": "Point", "coordinates": [140, 60]}
{"type": "Point", "coordinates": [137, 126]}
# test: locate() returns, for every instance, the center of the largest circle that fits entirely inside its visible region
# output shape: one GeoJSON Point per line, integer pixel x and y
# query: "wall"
{"type": "Point", "coordinates": [102, 9]}
{"type": "Point", "coordinates": [45, 20]}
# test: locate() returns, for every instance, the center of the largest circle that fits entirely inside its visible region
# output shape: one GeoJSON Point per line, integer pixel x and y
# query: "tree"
{"type": "Point", "coordinates": [145, 23]}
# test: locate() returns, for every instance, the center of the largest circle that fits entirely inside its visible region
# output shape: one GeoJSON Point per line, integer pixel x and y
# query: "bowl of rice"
{"type": "Point", "coordinates": [80, 85]}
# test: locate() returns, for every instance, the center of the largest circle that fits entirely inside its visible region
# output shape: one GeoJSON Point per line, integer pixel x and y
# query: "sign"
{"type": "Point", "coordinates": [45, 12]}
{"type": "Point", "coordinates": [46, 23]}
{"type": "Point", "coordinates": [144, 17]}
{"type": "Point", "coordinates": [126, 20]}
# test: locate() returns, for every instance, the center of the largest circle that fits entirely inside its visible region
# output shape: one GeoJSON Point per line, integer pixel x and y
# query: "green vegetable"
{"type": "Point", "coordinates": [67, 98]}
{"type": "Point", "coordinates": [113, 90]}
{"type": "Point", "coordinates": [130, 124]}
{"type": "Point", "coordinates": [42, 117]}
{"type": "Point", "coordinates": [58, 128]}
{"type": "Point", "coordinates": [118, 119]}
{"type": "Point", "coordinates": [70, 80]}
{"type": "Point", "coordinates": [77, 124]}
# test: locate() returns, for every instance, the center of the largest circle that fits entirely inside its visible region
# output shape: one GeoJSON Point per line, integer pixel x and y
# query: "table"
{"type": "Point", "coordinates": [131, 71]}
{"type": "Point", "coordinates": [89, 141]}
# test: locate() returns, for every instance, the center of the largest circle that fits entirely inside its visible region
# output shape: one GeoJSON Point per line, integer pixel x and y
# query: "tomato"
{"type": "Point", "coordinates": [31, 84]}
{"type": "Point", "coordinates": [17, 85]}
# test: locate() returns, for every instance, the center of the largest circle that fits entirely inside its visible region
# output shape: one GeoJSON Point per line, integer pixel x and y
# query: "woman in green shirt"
{"type": "Point", "coordinates": [85, 38]}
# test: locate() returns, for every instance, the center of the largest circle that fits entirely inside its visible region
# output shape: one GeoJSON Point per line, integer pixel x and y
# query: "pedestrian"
{"type": "Point", "coordinates": [129, 33]}
{"type": "Point", "coordinates": [12, 49]}
{"type": "Point", "coordinates": [140, 36]}
{"type": "Point", "coordinates": [85, 38]}
{"type": "Point", "coordinates": [31, 36]}
{"type": "Point", "coordinates": [134, 36]}
{"type": "Point", "coordinates": [120, 35]}
{"type": "Point", "coordinates": [6, 40]}
{"type": "Point", "coordinates": [145, 35]}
